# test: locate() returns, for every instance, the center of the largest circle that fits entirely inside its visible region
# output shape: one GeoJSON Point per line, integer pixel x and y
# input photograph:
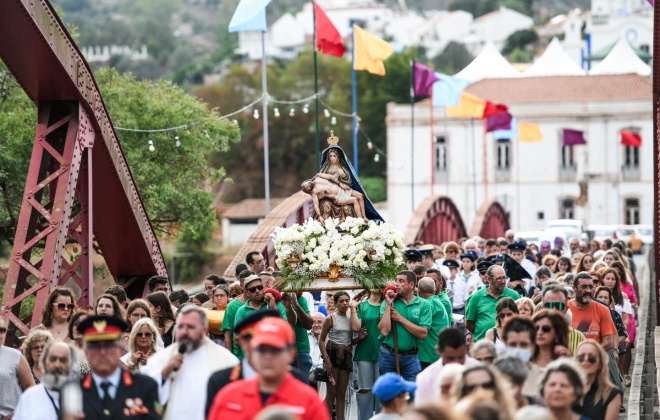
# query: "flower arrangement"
{"type": "Point", "coordinates": [367, 251]}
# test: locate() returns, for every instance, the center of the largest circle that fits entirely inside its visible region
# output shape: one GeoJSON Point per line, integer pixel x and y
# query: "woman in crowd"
{"type": "Point", "coordinates": [451, 251]}
{"type": "Point", "coordinates": [329, 306]}
{"type": "Point", "coordinates": [108, 305]}
{"type": "Point", "coordinates": [628, 288]}
{"type": "Point", "coordinates": [551, 337]}
{"type": "Point", "coordinates": [489, 384]}
{"type": "Point", "coordinates": [621, 302]}
{"type": "Point", "coordinates": [33, 346]}
{"type": "Point", "coordinates": [604, 294]}
{"type": "Point", "coordinates": [163, 316]}
{"type": "Point", "coordinates": [597, 278]}
{"type": "Point", "coordinates": [484, 351]}
{"type": "Point", "coordinates": [594, 246]}
{"type": "Point", "coordinates": [610, 256]}
{"type": "Point", "coordinates": [586, 263]}
{"type": "Point", "coordinates": [57, 312]}
{"type": "Point", "coordinates": [549, 261]}
{"type": "Point", "coordinates": [364, 317]}
{"type": "Point", "coordinates": [542, 275]}
{"type": "Point", "coordinates": [505, 309]}
{"type": "Point", "coordinates": [217, 314]}
{"type": "Point", "coordinates": [15, 375]}
{"type": "Point", "coordinates": [338, 362]}
{"type": "Point", "coordinates": [526, 306]}
{"type": "Point", "coordinates": [563, 265]}
{"type": "Point", "coordinates": [200, 299]}
{"type": "Point", "coordinates": [513, 369]}
{"type": "Point", "coordinates": [137, 309]}
{"type": "Point", "coordinates": [445, 382]}
{"type": "Point", "coordinates": [562, 387]}
{"type": "Point", "coordinates": [77, 342]}
{"type": "Point", "coordinates": [235, 290]}
{"type": "Point", "coordinates": [468, 272]}
{"type": "Point", "coordinates": [141, 345]}
{"type": "Point", "coordinates": [602, 399]}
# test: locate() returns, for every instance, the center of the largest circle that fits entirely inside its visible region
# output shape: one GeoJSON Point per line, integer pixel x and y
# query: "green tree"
{"type": "Point", "coordinates": [175, 183]}
{"type": "Point", "coordinates": [522, 39]}
{"type": "Point", "coordinates": [452, 59]}
{"type": "Point", "coordinates": [476, 7]}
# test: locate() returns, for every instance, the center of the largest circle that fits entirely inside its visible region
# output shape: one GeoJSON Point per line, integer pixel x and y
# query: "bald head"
{"type": "Point", "coordinates": [426, 285]}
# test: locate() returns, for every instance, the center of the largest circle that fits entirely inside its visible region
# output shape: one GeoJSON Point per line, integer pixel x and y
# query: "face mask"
{"type": "Point", "coordinates": [525, 355]}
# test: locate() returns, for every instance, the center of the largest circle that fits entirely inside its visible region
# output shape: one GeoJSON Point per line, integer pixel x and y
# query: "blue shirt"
{"type": "Point", "coordinates": [114, 379]}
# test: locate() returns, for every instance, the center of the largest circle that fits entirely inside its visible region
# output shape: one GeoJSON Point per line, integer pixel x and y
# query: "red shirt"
{"type": "Point", "coordinates": [242, 400]}
{"type": "Point", "coordinates": [594, 321]}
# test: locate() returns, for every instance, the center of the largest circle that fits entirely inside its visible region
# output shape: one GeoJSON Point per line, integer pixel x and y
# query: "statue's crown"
{"type": "Point", "coordinates": [333, 140]}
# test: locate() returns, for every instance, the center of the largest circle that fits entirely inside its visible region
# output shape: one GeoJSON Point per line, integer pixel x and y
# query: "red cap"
{"type": "Point", "coordinates": [276, 294]}
{"type": "Point", "coordinates": [391, 287]}
{"type": "Point", "coordinates": [275, 332]}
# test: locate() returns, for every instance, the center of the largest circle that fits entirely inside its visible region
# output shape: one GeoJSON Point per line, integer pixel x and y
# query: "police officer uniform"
{"type": "Point", "coordinates": [134, 396]}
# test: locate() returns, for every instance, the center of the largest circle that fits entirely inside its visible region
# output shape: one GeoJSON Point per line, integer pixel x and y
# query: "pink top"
{"type": "Point", "coordinates": [630, 291]}
{"type": "Point", "coordinates": [427, 389]}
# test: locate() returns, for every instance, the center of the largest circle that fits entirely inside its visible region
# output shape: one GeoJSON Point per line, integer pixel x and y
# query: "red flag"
{"type": "Point", "coordinates": [628, 138]}
{"type": "Point", "coordinates": [494, 109]}
{"type": "Point", "coordinates": [328, 39]}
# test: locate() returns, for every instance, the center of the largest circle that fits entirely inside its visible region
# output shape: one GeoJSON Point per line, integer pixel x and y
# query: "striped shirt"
{"type": "Point", "coordinates": [575, 337]}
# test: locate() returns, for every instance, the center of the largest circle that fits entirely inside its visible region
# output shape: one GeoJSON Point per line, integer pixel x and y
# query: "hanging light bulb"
{"type": "Point", "coordinates": [333, 121]}
{"type": "Point", "coordinates": [178, 142]}
{"type": "Point", "coordinates": [306, 109]}
{"type": "Point", "coordinates": [292, 113]}
{"type": "Point", "coordinates": [256, 114]}
{"type": "Point", "coordinates": [326, 113]}
{"type": "Point", "coordinates": [151, 146]}
{"type": "Point", "coordinates": [376, 157]}
{"type": "Point", "coordinates": [276, 112]}
{"type": "Point", "coordinates": [370, 145]}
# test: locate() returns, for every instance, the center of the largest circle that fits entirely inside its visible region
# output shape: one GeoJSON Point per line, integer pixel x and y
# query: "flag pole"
{"type": "Point", "coordinates": [474, 167]}
{"type": "Point", "coordinates": [354, 100]}
{"type": "Point", "coordinates": [412, 135]}
{"type": "Point", "coordinates": [432, 123]}
{"type": "Point", "coordinates": [317, 134]}
{"type": "Point", "coordinates": [264, 88]}
{"type": "Point", "coordinates": [485, 147]}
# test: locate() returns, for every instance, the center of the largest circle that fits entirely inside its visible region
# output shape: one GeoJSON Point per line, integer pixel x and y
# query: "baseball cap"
{"type": "Point", "coordinates": [391, 385]}
{"type": "Point", "coordinates": [275, 332]}
{"type": "Point", "coordinates": [250, 279]}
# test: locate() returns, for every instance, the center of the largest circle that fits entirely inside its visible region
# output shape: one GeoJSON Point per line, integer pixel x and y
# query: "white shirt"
{"type": "Point", "coordinates": [460, 292]}
{"type": "Point", "coordinates": [34, 404]}
{"type": "Point", "coordinates": [472, 280]}
{"type": "Point", "coordinates": [189, 401]}
{"type": "Point", "coordinates": [315, 350]}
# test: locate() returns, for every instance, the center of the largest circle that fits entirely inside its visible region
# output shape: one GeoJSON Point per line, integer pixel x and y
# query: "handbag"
{"type": "Point", "coordinates": [318, 375]}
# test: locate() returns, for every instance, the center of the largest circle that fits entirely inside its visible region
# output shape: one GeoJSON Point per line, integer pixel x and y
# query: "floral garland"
{"type": "Point", "coordinates": [370, 252]}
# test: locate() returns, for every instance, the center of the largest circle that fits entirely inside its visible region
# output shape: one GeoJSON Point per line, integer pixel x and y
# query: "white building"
{"type": "Point", "coordinates": [601, 182]}
{"type": "Point", "coordinates": [495, 27]}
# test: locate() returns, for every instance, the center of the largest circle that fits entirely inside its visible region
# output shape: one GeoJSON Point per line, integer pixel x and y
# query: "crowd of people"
{"type": "Point", "coordinates": [479, 329]}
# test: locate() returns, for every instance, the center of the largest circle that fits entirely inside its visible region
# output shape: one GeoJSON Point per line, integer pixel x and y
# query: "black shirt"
{"type": "Point", "coordinates": [590, 408]}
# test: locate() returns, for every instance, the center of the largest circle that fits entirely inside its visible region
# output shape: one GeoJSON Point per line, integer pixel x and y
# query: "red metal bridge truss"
{"type": "Point", "coordinates": [436, 220]}
{"type": "Point", "coordinates": [79, 192]}
{"type": "Point", "coordinates": [656, 155]}
{"type": "Point", "coordinates": [491, 221]}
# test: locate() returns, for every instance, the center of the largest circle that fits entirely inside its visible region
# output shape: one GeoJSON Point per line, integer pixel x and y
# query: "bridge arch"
{"type": "Point", "coordinates": [436, 220]}
{"type": "Point", "coordinates": [491, 221]}
{"type": "Point", "coordinates": [295, 209]}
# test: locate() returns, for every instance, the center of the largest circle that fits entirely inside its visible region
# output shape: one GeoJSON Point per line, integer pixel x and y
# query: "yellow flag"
{"type": "Point", "coordinates": [529, 132]}
{"type": "Point", "coordinates": [370, 51]}
{"type": "Point", "coordinates": [470, 106]}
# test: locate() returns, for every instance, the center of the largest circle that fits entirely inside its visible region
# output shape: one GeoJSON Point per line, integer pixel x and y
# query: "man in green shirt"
{"type": "Point", "coordinates": [297, 312]}
{"type": "Point", "coordinates": [255, 300]}
{"type": "Point", "coordinates": [411, 316]}
{"type": "Point", "coordinates": [480, 310]}
{"type": "Point", "coordinates": [440, 291]}
{"type": "Point", "coordinates": [230, 313]}
{"type": "Point", "coordinates": [439, 321]}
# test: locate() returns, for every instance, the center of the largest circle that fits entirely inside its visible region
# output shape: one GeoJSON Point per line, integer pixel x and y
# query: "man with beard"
{"type": "Point", "coordinates": [590, 317]}
{"type": "Point", "coordinates": [183, 368]}
{"type": "Point", "coordinates": [42, 402]}
{"type": "Point", "coordinates": [480, 309]}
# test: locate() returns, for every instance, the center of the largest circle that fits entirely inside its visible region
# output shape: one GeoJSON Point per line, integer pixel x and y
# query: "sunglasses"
{"type": "Point", "coordinates": [596, 280]}
{"type": "Point", "coordinates": [38, 348]}
{"type": "Point", "coordinates": [503, 315]}
{"type": "Point", "coordinates": [555, 305]}
{"type": "Point", "coordinates": [3, 330]}
{"type": "Point", "coordinates": [146, 334]}
{"type": "Point", "coordinates": [589, 358]}
{"type": "Point", "coordinates": [63, 306]}
{"type": "Point", "coordinates": [208, 287]}
{"type": "Point", "coordinates": [468, 389]}
{"type": "Point", "coordinates": [255, 288]}
{"type": "Point", "coordinates": [274, 351]}
{"type": "Point", "coordinates": [588, 261]}
{"type": "Point", "coordinates": [545, 328]}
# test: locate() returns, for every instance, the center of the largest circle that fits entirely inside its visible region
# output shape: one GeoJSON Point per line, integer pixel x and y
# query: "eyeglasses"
{"type": "Point", "coordinates": [38, 348]}
{"type": "Point", "coordinates": [145, 334]}
{"type": "Point", "coordinates": [468, 389]}
{"type": "Point", "coordinates": [255, 288]}
{"type": "Point", "coordinates": [486, 360]}
{"type": "Point", "coordinates": [501, 278]}
{"type": "Point", "coordinates": [545, 328]}
{"type": "Point", "coordinates": [586, 286]}
{"type": "Point", "coordinates": [503, 315]}
{"type": "Point", "coordinates": [63, 306]}
{"type": "Point", "coordinates": [208, 287]}
{"type": "Point", "coordinates": [274, 351]}
{"type": "Point", "coordinates": [589, 358]}
{"type": "Point", "coordinates": [555, 305]}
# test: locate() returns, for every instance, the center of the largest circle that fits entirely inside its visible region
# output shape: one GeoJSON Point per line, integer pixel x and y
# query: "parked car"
{"type": "Point", "coordinates": [646, 232]}
{"type": "Point", "coordinates": [571, 227]}
{"type": "Point", "coordinates": [625, 233]}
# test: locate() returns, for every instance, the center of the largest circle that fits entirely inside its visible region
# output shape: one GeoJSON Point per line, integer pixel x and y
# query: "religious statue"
{"type": "Point", "coordinates": [336, 190]}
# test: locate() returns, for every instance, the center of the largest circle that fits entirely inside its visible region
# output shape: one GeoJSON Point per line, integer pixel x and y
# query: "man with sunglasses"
{"type": "Point", "coordinates": [555, 296]}
{"type": "Point", "coordinates": [271, 350]}
{"type": "Point", "coordinates": [106, 391]}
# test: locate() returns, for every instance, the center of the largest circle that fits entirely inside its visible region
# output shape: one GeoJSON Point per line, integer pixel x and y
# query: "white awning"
{"type": "Point", "coordinates": [489, 64]}
{"type": "Point", "coordinates": [622, 60]}
{"type": "Point", "coordinates": [554, 62]}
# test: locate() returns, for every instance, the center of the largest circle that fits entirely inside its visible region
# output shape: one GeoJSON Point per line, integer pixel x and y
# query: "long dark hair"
{"type": "Point", "coordinates": [47, 311]}
{"type": "Point", "coordinates": [559, 324]}
{"type": "Point", "coordinates": [617, 294]}
{"type": "Point", "coordinates": [160, 300]}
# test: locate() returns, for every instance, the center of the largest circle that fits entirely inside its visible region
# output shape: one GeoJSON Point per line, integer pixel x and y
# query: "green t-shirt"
{"type": "Point", "coordinates": [447, 305]}
{"type": "Point", "coordinates": [439, 320]}
{"type": "Point", "coordinates": [418, 311]}
{"type": "Point", "coordinates": [367, 349]}
{"type": "Point", "coordinates": [480, 309]}
{"type": "Point", "coordinates": [246, 310]}
{"type": "Point", "coordinates": [302, 341]}
{"type": "Point", "coordinates": [228, 320]}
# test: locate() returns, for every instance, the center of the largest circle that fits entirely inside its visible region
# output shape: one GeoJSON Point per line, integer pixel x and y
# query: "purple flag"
{"type": "Point", "coordinates": [573, 137]}
{"type": "Point", "coordinates": [500, 121]}
{"type": "Point", "coordinates": [423, 79]}
{"type": "Point", "coordinates": [652, 2]}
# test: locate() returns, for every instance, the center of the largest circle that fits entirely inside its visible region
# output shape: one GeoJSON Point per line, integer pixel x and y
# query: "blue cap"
{"type": "Point", "coordinates": [390, 386]}
{"type": "Point", "coordinates": [471, 255]}
{"type": "Point", "coordinates": [499, 257]}
{"type": "Point", "coordinates": [517, 246]}
{"type": "Point", "coordinates": [451, 263]}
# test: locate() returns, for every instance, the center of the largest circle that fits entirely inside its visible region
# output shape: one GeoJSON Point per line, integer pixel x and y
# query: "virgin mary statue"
{"type": "Point", "coordinates": [337, 169]}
